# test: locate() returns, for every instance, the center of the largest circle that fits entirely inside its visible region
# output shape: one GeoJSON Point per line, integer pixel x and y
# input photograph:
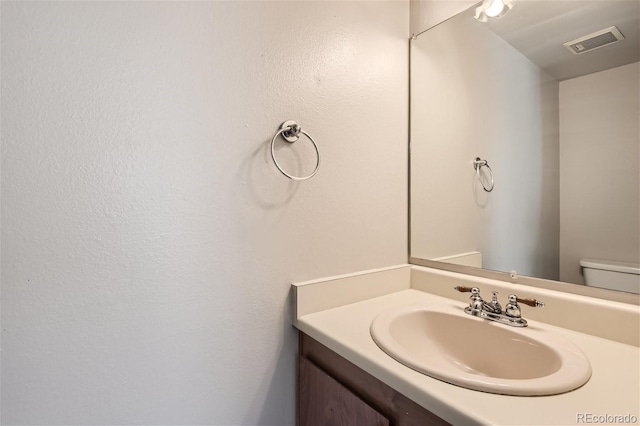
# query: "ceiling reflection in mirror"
{"type": "Point", "coordinates": [558, 130]}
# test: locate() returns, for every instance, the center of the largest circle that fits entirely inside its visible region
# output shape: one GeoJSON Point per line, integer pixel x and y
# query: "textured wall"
{"type": "Point", "coordinates": [148, 242]}
{"type": "Point", "coordinates": [466, 105]}
{"type": "Point", "coordinates": [599, 169]}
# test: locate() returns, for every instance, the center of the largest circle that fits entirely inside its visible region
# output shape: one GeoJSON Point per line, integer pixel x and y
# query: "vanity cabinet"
{"type": "Point", "coordinates": [333, 391]}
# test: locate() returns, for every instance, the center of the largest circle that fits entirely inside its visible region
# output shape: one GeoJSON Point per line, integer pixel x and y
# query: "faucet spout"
{"type": "Point", "coordinates": [493, 306]}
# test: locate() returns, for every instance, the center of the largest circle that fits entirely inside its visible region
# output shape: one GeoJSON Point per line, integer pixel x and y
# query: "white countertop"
{"type": "Point", "coordinates": [614, 387]}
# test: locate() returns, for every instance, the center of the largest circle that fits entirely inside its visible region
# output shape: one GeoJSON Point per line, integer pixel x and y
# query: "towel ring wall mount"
{"type": "Point", "coordinates": [479, 163]}
{"type": "Point", "coordinates": [290, 132]}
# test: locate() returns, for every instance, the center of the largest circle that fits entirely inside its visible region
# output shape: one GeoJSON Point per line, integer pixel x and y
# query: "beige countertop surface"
{"type": "Point", "coordinates": [612, 390]}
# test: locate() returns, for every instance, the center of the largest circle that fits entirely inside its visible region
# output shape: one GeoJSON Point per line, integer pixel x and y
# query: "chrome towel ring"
{"type": "Point", "coordinates": [477, 165]}
{"type": "Point", "coordinates": [290, 131]}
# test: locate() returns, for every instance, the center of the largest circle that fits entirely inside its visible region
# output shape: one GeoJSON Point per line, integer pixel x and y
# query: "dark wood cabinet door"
{"type": "Point", "coordinates": [325, 402]}
{"type": "Point", "coordinates": [393, 407]}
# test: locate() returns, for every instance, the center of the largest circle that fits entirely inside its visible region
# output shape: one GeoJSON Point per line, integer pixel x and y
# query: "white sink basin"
{"type": "Point", "coordinates": [445, 343]}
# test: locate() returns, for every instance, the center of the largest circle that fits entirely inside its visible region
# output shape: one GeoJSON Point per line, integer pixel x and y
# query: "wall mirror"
{"type": "Point", "coordinates": [559, 130]}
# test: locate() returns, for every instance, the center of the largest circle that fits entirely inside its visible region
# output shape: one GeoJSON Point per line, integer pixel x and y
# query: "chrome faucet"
{"type": "Point", "coordinates": [493, 311]}
{"type": "Point", "coordinates": [493, 306]}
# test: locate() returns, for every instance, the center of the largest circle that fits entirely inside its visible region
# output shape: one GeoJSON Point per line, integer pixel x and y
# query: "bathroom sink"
{"type": "Point", "coordinates": [445, 343]}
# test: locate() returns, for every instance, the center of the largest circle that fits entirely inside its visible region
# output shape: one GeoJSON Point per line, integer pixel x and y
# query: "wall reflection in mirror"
{"type": "Point", "coordinates": [559, 128]}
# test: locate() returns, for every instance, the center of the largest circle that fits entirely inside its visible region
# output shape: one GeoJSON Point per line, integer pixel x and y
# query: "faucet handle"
{"type": "Point", "coordinates": [513, 309]}
{"type": "Point", "coordinates": [476, 301]}
{"type": "Point", "coordinates": [534, 303]}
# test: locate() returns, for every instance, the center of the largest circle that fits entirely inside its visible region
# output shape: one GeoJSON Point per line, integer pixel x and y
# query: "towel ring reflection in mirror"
{"type": "Point", "coordinates": [478, 163]}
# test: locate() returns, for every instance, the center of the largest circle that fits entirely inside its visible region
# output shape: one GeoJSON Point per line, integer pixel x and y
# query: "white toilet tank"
{"type": "Point", "coordinates": [623, 276]}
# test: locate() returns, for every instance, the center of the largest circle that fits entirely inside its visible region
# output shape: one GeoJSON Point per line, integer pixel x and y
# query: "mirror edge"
{"type": "Point", "coordinates": [582, 290]}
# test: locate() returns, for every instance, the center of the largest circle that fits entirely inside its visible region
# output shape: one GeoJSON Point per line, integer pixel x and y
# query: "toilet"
{"type": "Point", "coordinates": [622, 276]}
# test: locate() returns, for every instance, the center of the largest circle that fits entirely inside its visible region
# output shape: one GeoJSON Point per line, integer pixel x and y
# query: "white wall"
{"type": "Point", "coordinates": [473, 95]}
{"type": "Point", "coordinates": [428, 13]}
{"type": "Point", "coordinates": [599, 169]}
{"type": "Point", "coordinates": [148, 242]}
